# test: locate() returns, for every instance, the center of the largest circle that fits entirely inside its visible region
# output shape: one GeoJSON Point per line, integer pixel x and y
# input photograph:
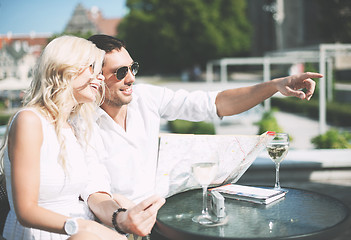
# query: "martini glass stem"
{"type": "Point", "coordinates": [277, 182]}
{"type": "Point", "coordinates": [204, 201]}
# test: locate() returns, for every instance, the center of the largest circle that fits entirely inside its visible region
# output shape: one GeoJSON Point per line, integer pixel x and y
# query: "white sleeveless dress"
{"type": "Point", "coordinates": [58, 191]}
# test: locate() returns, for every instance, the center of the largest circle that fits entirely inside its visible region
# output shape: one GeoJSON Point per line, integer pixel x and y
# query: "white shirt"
{"type": "Point", "coordinates": [132, 154]}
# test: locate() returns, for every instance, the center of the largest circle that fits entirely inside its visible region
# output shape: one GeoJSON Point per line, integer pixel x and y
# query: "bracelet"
{"type": "Point", "coordinates": [114, 220]}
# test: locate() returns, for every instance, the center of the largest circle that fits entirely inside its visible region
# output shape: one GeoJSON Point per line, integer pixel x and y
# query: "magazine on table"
{"type": "Point", "coordinates": [249, 193]}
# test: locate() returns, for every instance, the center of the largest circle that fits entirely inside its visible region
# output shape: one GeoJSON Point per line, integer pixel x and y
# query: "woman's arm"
{"type": "Point", "coordinates": [24, 143]}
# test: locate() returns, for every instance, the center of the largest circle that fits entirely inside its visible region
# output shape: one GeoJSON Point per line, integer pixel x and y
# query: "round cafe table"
{"type": "Point", "coordinates": [299, 215]}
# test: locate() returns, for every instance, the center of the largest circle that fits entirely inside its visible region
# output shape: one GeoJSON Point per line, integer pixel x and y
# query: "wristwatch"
{"type": "Point", "coordinates": [71, 226]}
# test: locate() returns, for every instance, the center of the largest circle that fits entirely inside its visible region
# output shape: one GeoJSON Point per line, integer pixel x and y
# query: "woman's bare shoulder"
{"type": "Point", "coordinates": [26, 122]}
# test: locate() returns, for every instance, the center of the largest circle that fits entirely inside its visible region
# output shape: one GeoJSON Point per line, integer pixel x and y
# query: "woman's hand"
{"type": "Point", "coordinates": [93, 229]}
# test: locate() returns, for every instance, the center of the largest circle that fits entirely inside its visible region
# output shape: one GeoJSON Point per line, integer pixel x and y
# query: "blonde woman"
{"type": "Point", "coordinates": [44, 153]}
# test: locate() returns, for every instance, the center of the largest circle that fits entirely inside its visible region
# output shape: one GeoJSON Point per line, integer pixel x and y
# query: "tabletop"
{"type": "Point", "coordinates": [299, 215]}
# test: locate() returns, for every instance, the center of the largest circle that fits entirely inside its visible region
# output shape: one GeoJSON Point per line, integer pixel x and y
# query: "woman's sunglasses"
{"type": "Point", "coordinates": [91, 69]}
{"type": "Point", "coordinates": [122, 71]}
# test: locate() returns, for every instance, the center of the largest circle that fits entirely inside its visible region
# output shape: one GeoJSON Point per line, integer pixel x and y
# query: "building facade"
{"type": "Point", "coordinates": [19, 53]}
{"type": "Point", "coordinates": [91, 21]}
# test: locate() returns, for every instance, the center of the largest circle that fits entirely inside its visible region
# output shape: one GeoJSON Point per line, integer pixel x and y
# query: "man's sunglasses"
{"type": "Point", "coordinates": [122, 71]}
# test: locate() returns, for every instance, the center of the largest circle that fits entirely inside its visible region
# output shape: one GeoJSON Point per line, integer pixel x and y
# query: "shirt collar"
{"type": "Point", "coordinates": [99, 113]}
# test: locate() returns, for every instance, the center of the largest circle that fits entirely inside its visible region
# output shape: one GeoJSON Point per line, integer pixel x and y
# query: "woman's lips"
{"type": "Point", "coordinates": [95, 86]}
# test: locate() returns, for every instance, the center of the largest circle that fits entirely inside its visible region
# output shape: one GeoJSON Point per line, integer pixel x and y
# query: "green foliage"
{"type": "Point", "coordinates": [169, 35]}
{"type": "Point", "coordinates": [332, 139]}
{"type": "Point", "coordinates": [186, 127]}
{"type": "Point", "coordinates": [4, 119]}
{"type": "Point", "coordinates": [311, 67]}
{"type": "Point", "coordinates": [268, 123]}
{"type": "Point", "coordinates": [2, 105]}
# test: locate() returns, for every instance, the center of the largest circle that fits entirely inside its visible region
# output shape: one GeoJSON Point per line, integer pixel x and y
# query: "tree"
{"type": "Point", "coordinates": [172, 35]}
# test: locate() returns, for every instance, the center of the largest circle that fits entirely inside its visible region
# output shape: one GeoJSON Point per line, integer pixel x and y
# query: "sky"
{"type": "Point", "coordinates": [49, 16]}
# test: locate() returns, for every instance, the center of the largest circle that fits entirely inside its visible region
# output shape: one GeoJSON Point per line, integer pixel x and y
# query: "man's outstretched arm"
{"type": "Point", "coordinates": [234, 101]}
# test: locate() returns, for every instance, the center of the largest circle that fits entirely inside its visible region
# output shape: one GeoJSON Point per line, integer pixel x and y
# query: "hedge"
{"type": "Point", "coordinates": [338, 114]}
{"type": "Point", "coordinates": [186, 127]}
{"type": "Point", "coordinates": [268, 122]}
{"type": "Point", "coordinates": [333, 138]}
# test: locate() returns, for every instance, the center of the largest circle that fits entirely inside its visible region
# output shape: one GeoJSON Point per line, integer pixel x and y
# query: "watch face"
{"type": "Point", "coordinates": [71, 226]}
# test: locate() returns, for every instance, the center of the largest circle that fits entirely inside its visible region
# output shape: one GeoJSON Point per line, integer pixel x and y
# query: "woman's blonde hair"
{"type": "Point", "coordinates": [50, 91]}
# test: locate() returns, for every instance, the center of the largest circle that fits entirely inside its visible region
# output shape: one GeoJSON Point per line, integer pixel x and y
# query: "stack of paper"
{"type": "Point", "coordinates": [251, 194]}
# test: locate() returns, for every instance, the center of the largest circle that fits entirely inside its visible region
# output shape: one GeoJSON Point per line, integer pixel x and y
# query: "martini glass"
{"type": "Point", "coordinates": [277, 150]}
{"type": "Point", "coordinates": [204, 170]}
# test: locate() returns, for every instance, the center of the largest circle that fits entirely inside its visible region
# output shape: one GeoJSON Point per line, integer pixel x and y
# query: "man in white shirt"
{"type": "Point", "coordinates": [129, 121]}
